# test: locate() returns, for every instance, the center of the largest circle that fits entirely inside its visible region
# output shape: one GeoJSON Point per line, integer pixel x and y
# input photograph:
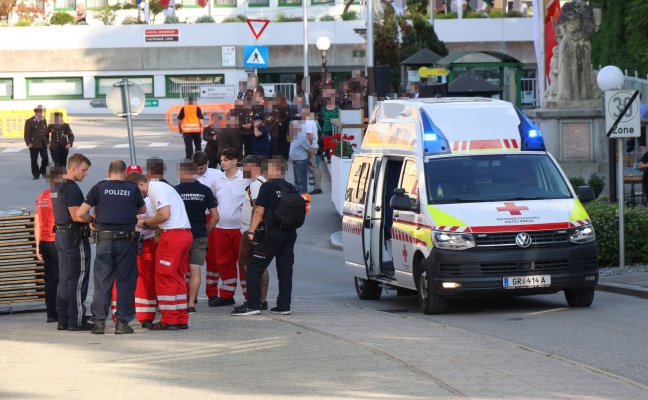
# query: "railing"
{"type": "Point", "coordinates": [529, 93]}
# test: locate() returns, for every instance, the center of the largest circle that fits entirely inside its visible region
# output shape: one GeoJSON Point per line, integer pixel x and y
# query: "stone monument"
{"type": "Point", "coordinates": [572, 121]}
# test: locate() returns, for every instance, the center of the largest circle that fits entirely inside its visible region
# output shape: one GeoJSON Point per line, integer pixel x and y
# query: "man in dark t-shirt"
{"type": "Point", "coordinates": [261, 141]}
{"type": "Point", "coordinates": [197, 198]}
{"type": "Point", "coordinates": [273, 243]}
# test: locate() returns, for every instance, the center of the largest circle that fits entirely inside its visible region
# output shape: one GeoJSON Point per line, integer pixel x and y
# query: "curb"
{"type": "Point", "coordinates": [620, 288]}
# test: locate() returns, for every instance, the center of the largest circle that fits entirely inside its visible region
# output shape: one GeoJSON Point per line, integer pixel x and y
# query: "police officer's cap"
{"type": "Point", "coordinates": [39, 108]}
{"type": "Point", "coordinates": [253, 160]}
{"type": "Point", "coordinates": [257, 116]}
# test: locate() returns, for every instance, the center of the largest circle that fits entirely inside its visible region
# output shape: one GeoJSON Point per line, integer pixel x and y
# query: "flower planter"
{"type": "Point", "coordinates": [340, 168]}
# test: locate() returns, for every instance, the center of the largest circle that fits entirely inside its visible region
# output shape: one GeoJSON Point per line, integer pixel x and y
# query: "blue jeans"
{"type": "Point", "coordinates": [300, 173]}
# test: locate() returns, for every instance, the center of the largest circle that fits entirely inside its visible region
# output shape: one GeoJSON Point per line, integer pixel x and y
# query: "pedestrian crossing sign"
{"type": "Point", "coordinates": [255, 57]}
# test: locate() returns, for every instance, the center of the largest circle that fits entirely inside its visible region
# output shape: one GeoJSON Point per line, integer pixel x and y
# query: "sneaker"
{"type": "Point", "coordinates": [245, 310]}
{"type": "Point", "coordinates": [99, 328]}
{"type": "Point", "coordinates": [277, 310]}
{"type": "Point", "coordinates": [220, 301]}
{"type": "Point", "coordinates": [161, 326]}
{"type": "Point", "coordinates": [316, 191]}
{"type": "Point", "coordinates": [191, 310]}
{"type": "Point", "coordinates": [182, 326]}
{"type": "Point", "coordinates": [146, 323]}
{"type": "Point", "coordinates": [122, 328]}
{"type": "Point", "coordinates": [264, 305]}
{"type": "Point", "coordinates": [61, 327]}
{"type": "Point", "coordinates": [87, 326]}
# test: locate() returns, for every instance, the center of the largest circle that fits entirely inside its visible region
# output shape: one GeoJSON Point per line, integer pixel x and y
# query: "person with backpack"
{"type": "Point", "coordinates": [279, 211]}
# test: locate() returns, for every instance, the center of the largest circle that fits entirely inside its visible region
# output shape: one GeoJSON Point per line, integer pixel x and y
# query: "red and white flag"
{"type": "Point", "coordinates": [544, 31]}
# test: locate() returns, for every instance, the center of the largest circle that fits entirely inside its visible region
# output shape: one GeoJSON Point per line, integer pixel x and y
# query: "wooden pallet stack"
{"type": "Point", "coordinates": [22, 275]}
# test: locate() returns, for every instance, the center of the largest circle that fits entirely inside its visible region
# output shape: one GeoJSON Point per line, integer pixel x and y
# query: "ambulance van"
{"type": "Point", "coordinates": [458, 197]}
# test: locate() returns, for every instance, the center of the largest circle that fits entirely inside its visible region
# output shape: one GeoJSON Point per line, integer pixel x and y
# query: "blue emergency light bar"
{"type": "Point", "coordinates": [433, 140]}
{"type": "Point", "coordinates": [530, 136]}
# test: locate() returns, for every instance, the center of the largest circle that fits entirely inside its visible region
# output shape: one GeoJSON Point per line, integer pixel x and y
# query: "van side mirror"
{"type": "Point", "coordinates": [402, 202]}
{"type": "Point", "coordinates": [585, 194]}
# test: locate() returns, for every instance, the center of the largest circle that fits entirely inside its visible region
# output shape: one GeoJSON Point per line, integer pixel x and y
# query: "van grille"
{"type": "Point", "coordinates": [539, 239]}
{"type": "Point", "coordinates": [507, 268]}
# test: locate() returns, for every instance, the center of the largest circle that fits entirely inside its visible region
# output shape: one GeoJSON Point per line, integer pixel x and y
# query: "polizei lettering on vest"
{"type": "Point", "coordinates": [115, 192]}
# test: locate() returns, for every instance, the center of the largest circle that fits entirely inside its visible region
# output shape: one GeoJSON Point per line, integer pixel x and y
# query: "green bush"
{"type": "Point", "coordinates": [62, 18]}
{"type": "Point", "coordinates": [576, 181]}
{"type": "Point", "coordinates": [349, 16]}
{"type": "Point", "coordinates": [281, 17]}
{"type": "Point", "coordinates": [130, 20]}
{"type": "Point", "coordinates": [128, 6]}
{"type": "Point", "coordinates": [107, 14]}
{"type": "Point", "coordinates": [23, 22]}
{"type": "Point", "coordinates": [445, 16]}
{"type": "Point", "coordinates": [514, 14]}
{"type": "Point", "coordinates": [597, 183]}
{"type": "Point", "coordinates": [474, 14]}
{"type": "Point", "coordinates": [327, 18]}
{"type": "Point", "coordinates": [171, 19]}
{"type": "Point", "coordinates": [205, 19]}
{"type": "Point", "coordinates": [496, 13]}
{"type": "Point", "coordinates": [235, 18]}
{"type": "Point", "coordinates": [605, 219]}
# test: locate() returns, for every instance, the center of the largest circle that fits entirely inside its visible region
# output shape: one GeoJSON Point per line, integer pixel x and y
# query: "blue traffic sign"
{"type": "Point", "coordinates": [255, 57]}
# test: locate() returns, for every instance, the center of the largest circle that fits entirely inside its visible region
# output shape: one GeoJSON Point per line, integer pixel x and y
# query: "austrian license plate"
{"type": "Point", "coordinates": [514, 282]}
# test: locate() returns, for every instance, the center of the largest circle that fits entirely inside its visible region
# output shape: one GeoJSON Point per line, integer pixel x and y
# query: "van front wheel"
{"type": "Point", "coordinates": [581, 298]}
{"type": "Point", "coordinates": [431, 303]}
{"type": "Point", "coordinates": [367, 290]}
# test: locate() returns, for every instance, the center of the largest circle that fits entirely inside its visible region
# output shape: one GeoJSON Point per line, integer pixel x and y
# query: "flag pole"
{"type": "Point", "coordinates": [542, 65]}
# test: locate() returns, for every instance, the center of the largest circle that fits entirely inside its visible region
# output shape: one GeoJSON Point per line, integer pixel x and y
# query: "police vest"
{"type": "Point", "coordinates": [191, 122]}
{"type": "Point", "coordinates": [116, 204]}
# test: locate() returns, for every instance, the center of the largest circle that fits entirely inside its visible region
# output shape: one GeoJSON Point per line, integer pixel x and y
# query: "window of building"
{"type": "Point", "coordinates": [225, 3]}
{"type": "Point", "coordinates": [259, 3]}
{"type": "Point", "coordinates": [320, 2]}
{"type": "Point", "coordinates": [189, 85]}
{"type": "Point", "coordinates": [55, 88]}
{"type": "Point", "coordinates": [60, 5]}
{"type": "Point", "coordinates": [105, 83]}
{"type": "Point", "coordinates": [6, 89]}
{"type": "Point", "coordinates": [290, 3]}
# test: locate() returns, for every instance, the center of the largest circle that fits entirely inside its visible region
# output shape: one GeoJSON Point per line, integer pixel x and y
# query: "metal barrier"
{"type": "Point", "coordinates": [207, 109]}
{"type": "Point", "coordinates": [12, 122]}
{"type": "Point", "coordinates": [22, 275]}
{"type": "Point", "coordinates": [270, 89]}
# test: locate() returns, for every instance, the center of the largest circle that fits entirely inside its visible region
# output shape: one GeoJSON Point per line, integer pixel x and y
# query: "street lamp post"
{"type": "Point", "coordinates": [323, 44]}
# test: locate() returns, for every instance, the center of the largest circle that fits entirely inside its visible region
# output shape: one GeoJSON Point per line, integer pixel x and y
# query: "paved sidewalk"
{"type": "Point", "coordinates": [323, 350]}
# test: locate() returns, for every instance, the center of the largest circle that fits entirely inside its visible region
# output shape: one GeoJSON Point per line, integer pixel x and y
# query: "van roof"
{"type": "Point", "coordinates": [450, 125]}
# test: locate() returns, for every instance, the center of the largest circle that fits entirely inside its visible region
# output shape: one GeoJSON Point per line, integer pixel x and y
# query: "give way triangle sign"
{"type": "Point", "coordinates": [257, 26]}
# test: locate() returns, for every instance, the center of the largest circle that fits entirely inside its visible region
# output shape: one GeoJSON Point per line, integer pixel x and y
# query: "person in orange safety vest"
{"type": "Point", "coordinates": [190, 125]}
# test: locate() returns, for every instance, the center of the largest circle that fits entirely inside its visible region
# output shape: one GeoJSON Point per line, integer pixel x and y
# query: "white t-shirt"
{"type": "Point", "coordinates": [209, 178]}
{"type": "Point", "coordinates": [246, 211]}
{"type": "Point", "coordinates": [162, 194]}
{"type": "Point", "coordinates": [230, 194]}
{"type": "Point", "coordinates": [311, 127]}
{"type": "Point", "coordinates": [150, 211]}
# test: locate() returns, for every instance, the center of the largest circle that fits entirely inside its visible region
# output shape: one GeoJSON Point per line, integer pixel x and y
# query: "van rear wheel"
{"type": "Point", "coordinates": [431, 303]}
{"type": "Point", "coordinates": [367, 290]}
{"type": "Point", "coordinates": [579, 298]}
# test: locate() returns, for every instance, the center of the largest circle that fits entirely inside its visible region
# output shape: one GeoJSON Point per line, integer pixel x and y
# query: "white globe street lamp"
{"type": "Point", "coordinates": [609, 78]}
{"type": "Point", "coordinates": [323, 44]}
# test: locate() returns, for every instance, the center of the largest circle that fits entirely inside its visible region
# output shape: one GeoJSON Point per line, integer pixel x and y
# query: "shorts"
{"type": "Point", "coordinates": [198, 251]}
{"type": "Point", "coordinates": [245, 251]}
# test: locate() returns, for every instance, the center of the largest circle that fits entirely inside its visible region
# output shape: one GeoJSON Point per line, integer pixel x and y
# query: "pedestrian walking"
{"type": "Point", "coordinates": [171, 259]}
{"type": "Point", "coordinates": [230, 193]}
{"type": "Point", "coordinates": [299, 149]}
{"type": "Point", "coordinates": [252, 170]}
{"type": "Point", "coordinates": [190, 126]}
{"type": "Point", "coordinates": [197, 199]}
{"type": "Point", "coordinates": [275, 242]}
{"type": "Point", "coordinates": [37, 140]}
{"type": "Point", "coordinates": [61, 139]}
{"type": "Point", "coordinates": [116, 204]}
{"type": "Point", "coordinates": [73, 247]}
{"type": "Point", "coordinates": [46, 241]}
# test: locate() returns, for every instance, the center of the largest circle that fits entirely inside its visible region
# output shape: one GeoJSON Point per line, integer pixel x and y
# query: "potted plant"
{"type": "Point", "coordinates": [341, 149]}
{"type": "Point", "coordinates": [339, 145]}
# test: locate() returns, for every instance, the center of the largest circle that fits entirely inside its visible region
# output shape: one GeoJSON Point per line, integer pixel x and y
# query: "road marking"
{"type": "Point", "coordinates": [87, 146]}
{"type": "Point", "coordinates": [158, 144]}
{"type": "Point", "coordinates": [12, 150]}
{"type": "Point", "coordinates": [548, 311]}
{"type": "Point", "coordinates": [120, 146]}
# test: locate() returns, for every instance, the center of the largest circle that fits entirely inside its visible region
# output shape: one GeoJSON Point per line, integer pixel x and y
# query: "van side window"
{"type": "Point", "coordinates": [410, 181]}
{"type": "Point", "coordinates": [357, 187]}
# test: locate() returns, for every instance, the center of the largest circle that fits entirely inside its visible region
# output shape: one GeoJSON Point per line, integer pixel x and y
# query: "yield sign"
{"type": "Point", "coordinates": [257, 26]}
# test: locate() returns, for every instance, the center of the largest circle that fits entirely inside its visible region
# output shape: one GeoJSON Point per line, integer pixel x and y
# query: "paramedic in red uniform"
{"type": "Point", "coordinates": [191, 124]}
{"type": "Point", "coordinates": [172, 257]}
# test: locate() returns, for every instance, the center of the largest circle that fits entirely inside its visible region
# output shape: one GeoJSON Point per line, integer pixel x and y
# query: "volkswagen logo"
{"type": "Point", "coordinates": [523, 240]}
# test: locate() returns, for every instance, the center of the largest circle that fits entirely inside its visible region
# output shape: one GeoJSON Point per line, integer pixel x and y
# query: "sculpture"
{"type": "Point", "coordinates": [573, 82]}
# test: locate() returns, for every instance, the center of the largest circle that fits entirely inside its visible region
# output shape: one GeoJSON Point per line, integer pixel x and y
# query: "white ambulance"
{"type": "Point", "coordinates": [457, 197]}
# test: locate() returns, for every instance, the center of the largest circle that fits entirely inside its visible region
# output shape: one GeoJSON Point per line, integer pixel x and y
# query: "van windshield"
{"type": "Point", "coordinates": [494, 178]}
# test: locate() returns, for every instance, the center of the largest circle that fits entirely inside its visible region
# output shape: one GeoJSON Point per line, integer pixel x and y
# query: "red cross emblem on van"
{"type": "Point", "coordinates": [512, 208]}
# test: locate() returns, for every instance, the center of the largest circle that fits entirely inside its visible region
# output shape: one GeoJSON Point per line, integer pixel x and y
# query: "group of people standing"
{"type": "Point", "coordinates": [218, 217]}
{"type": "Point", "coordinates": [40, 136]}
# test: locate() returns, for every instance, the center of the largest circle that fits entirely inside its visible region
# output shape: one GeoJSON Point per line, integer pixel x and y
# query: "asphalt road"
{"type": "Point", "coordinates": [609, 336]}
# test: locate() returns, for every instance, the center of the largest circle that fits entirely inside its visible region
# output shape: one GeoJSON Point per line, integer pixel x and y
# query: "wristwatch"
{"type": "Point", "coordinates": [145, 225]}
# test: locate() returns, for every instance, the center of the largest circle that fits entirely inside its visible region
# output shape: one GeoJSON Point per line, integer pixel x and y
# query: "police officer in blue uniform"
{"type": "Point", "coordinates": [116, 204]}
{"type": "Point", "coordinates": [73, 247]}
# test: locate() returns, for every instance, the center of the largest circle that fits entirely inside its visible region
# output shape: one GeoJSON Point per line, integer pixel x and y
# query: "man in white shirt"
{"type": "Point", "coordinates": [310, 127]}
{"type": "Point", "coordinates": [253, 170]}
{"type": "Point", "coordinates": [209, 177]}
{"type": "Point", "coordinates": [230, 194]}
{"type": "Point", "coordinates": [172, 256]}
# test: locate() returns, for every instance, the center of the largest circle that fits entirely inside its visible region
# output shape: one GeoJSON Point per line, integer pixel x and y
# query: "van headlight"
{"type": "Point", "coordinates": [582, 234]}
{"type": "Point", "coordinates": [453, 241]}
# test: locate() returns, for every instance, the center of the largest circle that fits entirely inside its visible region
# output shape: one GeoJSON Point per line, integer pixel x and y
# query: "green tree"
{"type": "Point", "coordinates": [637, 33]}
{"type": "Point", "coordinates": [386, 43]}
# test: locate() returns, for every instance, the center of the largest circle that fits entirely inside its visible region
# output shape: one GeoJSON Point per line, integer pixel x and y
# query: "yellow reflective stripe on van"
{"type": "Point", "coordinates": [442, 218]}
{"type": "Point", "coordinates": [578, 213]}
{"type": "Point", "coordinates": [406, 232]}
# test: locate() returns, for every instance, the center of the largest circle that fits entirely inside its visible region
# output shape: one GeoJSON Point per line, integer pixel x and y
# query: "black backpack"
{"type": "Point", "coordinates": [291, 212]}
